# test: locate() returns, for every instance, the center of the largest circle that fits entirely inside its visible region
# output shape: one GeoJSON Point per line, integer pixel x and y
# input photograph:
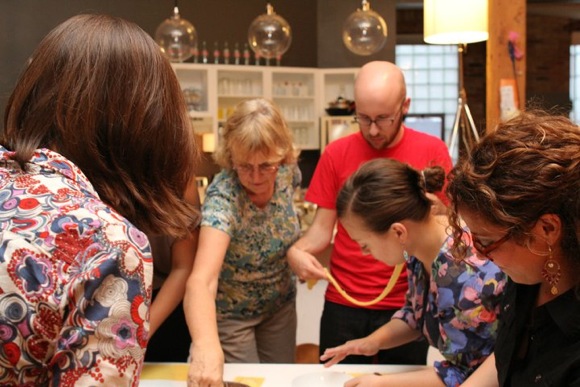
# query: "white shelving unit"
{"type": "Point", "coordinates": [294, 91]}
{"type": "Point", "coordinates": [336, 83]}
{"type": "Point", "coordinates": [301, 93]}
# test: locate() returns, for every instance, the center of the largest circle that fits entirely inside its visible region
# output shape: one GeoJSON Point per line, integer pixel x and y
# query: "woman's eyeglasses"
{"type": "Point", "coordinates": [485, 250]}
{"type": "Point", "coordinates": [264, 168]}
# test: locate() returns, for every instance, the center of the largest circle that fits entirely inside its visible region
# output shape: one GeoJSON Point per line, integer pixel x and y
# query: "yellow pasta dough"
{"type": "Point", "coordinates": [390, 285]}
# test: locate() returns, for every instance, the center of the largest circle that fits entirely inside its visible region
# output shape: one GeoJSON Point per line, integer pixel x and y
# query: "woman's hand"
{"type": "Point", "coordinates": [365, 346]}
{"type": "Point", "coordinates": [305, 265]}
{"type": "Point", "coordinates": [366, 381]}
{"type": "Point", "coordinates": [206, 368]}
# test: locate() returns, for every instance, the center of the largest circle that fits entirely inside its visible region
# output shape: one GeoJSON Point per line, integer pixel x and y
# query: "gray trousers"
{"type": "Point", "coordinates": [265, 339]}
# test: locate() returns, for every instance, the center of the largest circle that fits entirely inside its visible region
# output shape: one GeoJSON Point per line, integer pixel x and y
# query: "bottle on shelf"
{"type": "Point", "coordinates": [216, 52]}
{"type": "Point", "coordinates": [257, 58]}
{"type": "Point", "coordinates": [226, 53]}
{"type": "Point", "coordinates": [195, 53]}
{"type": "Point", "coordinates": [278, 59]}
{"type": "Point", "coordinates": [246, 54]}
{"type": "Point", "coordinates": [204, 52]}
{"type": "Point", "coordinates": [237, 53]}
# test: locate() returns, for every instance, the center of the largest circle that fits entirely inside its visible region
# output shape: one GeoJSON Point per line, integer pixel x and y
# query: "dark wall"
{"type": "Point", "coordinates": [331, 16]}
{"type": "Point", "coordinates": [23, 23]}
{"type": "Point", "coordinates": [548, 73]}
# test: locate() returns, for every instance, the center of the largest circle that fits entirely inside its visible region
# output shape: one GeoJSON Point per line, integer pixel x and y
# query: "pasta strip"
{"type": "Point", "coordinates": [390, 285]}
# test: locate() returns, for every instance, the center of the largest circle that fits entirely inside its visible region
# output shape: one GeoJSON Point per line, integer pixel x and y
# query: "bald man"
{"type": "Point", "coordinates": [381, 105]}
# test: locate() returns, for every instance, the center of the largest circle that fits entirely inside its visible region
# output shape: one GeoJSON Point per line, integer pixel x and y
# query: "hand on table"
{"type": "Point", "coordinates": [366, 381]}
{"type": "Point", "coordinates": [364, 346]}
{"type": "Point", "coordinates": [206, 368]}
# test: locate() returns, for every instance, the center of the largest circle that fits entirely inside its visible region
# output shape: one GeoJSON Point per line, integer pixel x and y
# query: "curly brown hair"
{"type": "Point", "coordinates": [529, 166]}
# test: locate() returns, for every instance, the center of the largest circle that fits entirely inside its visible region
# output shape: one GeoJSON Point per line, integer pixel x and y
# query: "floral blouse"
{"type": "Point", "coordinates": [255, 278]}
{"type": "Point", "coordinates": [455, 306]}
{"type": "Point", "coordinates": [75, 280]}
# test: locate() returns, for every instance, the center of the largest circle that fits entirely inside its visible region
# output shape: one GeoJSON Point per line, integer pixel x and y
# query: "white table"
{"type": "Point", "coordinates": [259, 375]}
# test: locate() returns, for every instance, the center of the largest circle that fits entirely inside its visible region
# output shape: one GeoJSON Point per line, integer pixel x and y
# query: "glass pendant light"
{"type": "Point", "coordinates": [176, 37]}
{"type": "Point", "coordinates": [269, 34]}
{"type": "Point", "coordinates": [364, 32]}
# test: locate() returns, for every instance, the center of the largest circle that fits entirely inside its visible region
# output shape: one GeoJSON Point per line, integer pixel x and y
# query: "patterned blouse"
{"type": "Point", "coordinates": [255, 278]}
{"type": "Point", "coordinates": [455, 306]}
{"type": "Point", "coordinates": [75, 280]}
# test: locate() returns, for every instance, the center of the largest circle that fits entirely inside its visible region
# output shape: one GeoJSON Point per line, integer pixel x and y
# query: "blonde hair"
{"type": "Point", "coordinates": [255, 126]}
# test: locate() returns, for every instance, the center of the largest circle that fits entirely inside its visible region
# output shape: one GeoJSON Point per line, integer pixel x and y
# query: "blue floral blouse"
{"type": "Point", "coordinates": [455, 306]}
{"type": "Point", "coordinates": [255, 278]}
{"type": "Point", "coordinates": [75, 280]}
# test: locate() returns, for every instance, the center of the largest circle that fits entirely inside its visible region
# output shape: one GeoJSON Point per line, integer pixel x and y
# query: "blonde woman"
{"type": "Point", "coordinates": [240, 298]}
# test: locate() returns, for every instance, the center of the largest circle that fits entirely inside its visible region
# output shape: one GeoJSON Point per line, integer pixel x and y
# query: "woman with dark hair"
{"type": "Point", "coordinates": [97, 149]}
{"type": "Point", "coordinates": [240, 300]}
{"type": "Point", "coordinates": [519, 193]}
{"type": "Point", "coordinates": [452, 303]}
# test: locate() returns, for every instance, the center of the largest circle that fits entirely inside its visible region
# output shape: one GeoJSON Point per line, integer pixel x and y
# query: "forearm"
{"type": "Point", "coordinates": [393, 334]}
{"type": "Point", "coordinates": [423, 377]}
{"type": "Point", "coordinates": [484, 376]}
{"type": "Point", "coordinates": [301, 256]}
{"type": "Point", "coordinates": [206, 355]}
{"type": "Point", "coordinates": [168, 298]}
{"type": "Point", "coordinates": [200, 313]}
{"type": "Point", "coordinates": [173, 288]}
{"type": "Point", "coordinates": [319, 235]}
{"type": "Point", "coordinates": [312, 242]}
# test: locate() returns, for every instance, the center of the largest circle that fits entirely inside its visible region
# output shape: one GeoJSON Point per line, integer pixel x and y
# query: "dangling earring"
{"type": "Point", "coordinates": [406, 255]}
{"type": "Point", "coordinates": [551, 272]}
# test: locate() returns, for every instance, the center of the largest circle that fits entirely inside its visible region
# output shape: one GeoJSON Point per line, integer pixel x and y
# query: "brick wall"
{"type": "Point", "coordinates": [547, 61]}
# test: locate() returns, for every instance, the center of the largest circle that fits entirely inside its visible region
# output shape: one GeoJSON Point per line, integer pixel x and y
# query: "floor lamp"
{"type": "Point", "coordinates": [457, 22]}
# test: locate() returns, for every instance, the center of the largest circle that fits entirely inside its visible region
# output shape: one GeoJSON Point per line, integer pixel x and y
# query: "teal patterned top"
{"type": "Point", "coordinates": [255, 278]}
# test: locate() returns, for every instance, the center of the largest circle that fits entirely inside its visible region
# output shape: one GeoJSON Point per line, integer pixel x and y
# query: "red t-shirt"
{"type": "Point", "coordinates": [362, 276]}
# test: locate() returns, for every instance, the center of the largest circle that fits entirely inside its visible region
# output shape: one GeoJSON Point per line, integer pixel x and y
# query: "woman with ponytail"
{"type": "Point", "coordinates": [452, 303]}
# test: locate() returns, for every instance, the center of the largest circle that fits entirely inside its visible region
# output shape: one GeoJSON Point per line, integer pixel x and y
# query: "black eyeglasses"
{"type": "Point", "coordinates": [383, 123]}
{"type": "Point", "coordinates": [485, 250]}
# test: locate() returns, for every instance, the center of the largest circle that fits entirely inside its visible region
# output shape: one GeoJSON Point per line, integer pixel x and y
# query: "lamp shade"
{"type": "Point", "coordinates": [455, 21]}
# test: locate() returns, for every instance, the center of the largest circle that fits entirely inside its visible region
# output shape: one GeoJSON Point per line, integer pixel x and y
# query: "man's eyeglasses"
{"type": "Point", "coordinates": [383, 123]}
{"type": "Point", "coordinates": [485, 250]}
{"type": "Point", "coordinates": [264, 168]}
